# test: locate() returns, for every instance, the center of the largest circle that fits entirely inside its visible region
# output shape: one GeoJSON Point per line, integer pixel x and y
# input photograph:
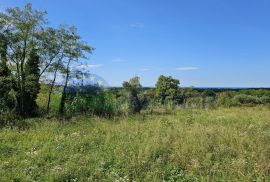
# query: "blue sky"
{"type": "Point", "coordinates": [209, 43]}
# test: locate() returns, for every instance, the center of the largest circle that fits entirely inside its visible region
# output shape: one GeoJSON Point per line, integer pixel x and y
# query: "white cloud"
{"type": "Point", "coordinates": [118, 60]}
{"type": "Point", "coordinates": [187, 68]}
{"type": "Point", "coordinates": [85, 66]}
{"type": "Point", "coordinates": [144, 69]}
{"type": "Point", "coordinates": [136, 25]}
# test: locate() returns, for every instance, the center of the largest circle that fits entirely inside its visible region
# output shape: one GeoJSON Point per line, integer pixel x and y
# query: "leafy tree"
{"type": "Point", "coordinates": [52, 56]}
{"type": "Point", "coordinates": [21, 28]}
{"type": "Point", "coordinates": [32, 85]}
{"type": "Point", "coordinates": [74, 48]}
{"type": "Point", "coordinates": [167, 90]}
{"type": "Point", "coordinates": [208, 93]}
{"type": "Point", "coordinates": [190, 92]}
{"type": "Point", "coordinates": [32, 50]}
{"type": "Point", "coordinates": [6, 80]}
{"type": "Point", "coordinates": [132, 89]}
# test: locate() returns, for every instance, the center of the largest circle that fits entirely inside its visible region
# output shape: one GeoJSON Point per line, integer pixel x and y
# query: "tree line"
{"type": "Point", "coordinates": [32, 52]}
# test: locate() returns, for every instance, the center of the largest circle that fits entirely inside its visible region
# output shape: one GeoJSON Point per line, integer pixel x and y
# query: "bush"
{"type": "Point", "coordinates": [100, 103]}
{"type": "Point", "coordinates": [194, 103]}
{"type": "Point", "coordinates": [209, 102]}
{"type": "Point", "coordinates": [133, 95]}
{"type": "Point", "coordinates": [8, 118]}
{"type": "Point", "coordinates": [224, 99]}
{"type": "Point", "coordinates": [265, 99]}
{"type": "Point", "coordinates": [208, 93]}
{"type": "Point", "coordinates": [246, 100]}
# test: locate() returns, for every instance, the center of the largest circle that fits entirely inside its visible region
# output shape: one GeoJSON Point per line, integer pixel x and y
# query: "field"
{"type": "Point", "coordinates": [188, 145]}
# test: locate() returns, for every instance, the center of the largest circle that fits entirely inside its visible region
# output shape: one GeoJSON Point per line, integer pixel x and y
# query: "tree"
{"type": "Point", "coordinates": [30, 43]}
{"type": "Point", "coordinates": [32, 85]}
{"type": "Point", "coordinates": [167, 90]}
{"type": "Point", "coordinates": [6, 80]}
{"type": "Point", "coordinates": [21, 28]}
{"type": "Point", "coordinates": [132, 89]}
{"type": "Point", "coordinates": [52, 56]}
{"type": "Point", "coordinates": [74, 48]}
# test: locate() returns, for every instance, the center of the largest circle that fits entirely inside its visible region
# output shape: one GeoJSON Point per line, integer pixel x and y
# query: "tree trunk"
{"type": "Point", "coordinates": [18, 96]}
{"type": "Point", "coordinates": [53, 82]}
{"type": "Point", "coordinates": [64, 95]}
{"type": "Point", "coordinates": [51, 90]}
{"type": "Point", "coordinates": [22, 90]}
{"type": "Point", "coordinates": [22, 94]}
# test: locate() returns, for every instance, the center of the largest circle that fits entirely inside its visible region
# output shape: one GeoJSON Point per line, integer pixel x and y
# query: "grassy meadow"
{"type": "Point", "coordinates": [188, 145]}
{"type": "Point", "coordinates": [61, 122]}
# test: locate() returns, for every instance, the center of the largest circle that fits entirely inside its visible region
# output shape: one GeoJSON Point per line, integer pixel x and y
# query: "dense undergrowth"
{"type": "Point", "coordinates": [187, 145]}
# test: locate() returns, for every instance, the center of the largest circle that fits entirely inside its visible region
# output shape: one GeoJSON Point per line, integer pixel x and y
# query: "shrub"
{"type": "Point", "coordinates": [194, 102]}
{"type": "Point", "coordinates": [97, 102]}
{"type": "Point", "coordinates": [133, 95]}
{"type": "Point", "coordinates": [247, 100]}
{"type": "Point", "coordinates": [209, 102]}
{"type": "Point", "coordinates": [8, 118]}
{"type": "Point", "coordinates": [224, 99]}
{"type": "Point", "coordinates": [208, 93]}
{"type": "Point", "coordinates": [265, 99]}
{"type": "Point", "coordinates": [190, 92]}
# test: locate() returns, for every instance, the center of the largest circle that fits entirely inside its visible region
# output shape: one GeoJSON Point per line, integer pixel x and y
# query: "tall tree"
{"type": "Point", "coordinates": [6, 80]}
{"type": "Point", "coordinates": [74, 49]}
{"type": "Point", "coordinates": [52, 56]}
{"type": "Point", "coordinates": [22, 27]}
{"type": "Point", "coordinates": [32, 85]}
{"type": "Point", "coordinates": [30, 42]}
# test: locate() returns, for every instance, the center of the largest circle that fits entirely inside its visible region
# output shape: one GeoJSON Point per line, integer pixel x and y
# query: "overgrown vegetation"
{"type": "Point", "coordinates": [34, 54]}
{"type": "Point", "coordinates": [189, 145]}
{"type": "Point", "coordinates": [53, 131]}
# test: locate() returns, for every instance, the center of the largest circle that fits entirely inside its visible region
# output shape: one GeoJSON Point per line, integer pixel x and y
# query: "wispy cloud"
{"type": "Point", "coordinates": [85, 66]}
{"type": "Point", "coordinates": [187, 68]}
{"type": "Point", "coordinates": [118, 60]}
{"type": "Point", "coordinates": [137, 25]}
{"type": "Point", "coordinates": [144, 69]}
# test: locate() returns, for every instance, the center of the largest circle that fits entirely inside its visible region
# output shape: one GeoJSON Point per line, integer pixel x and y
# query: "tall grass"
{"type": "Point", "coordinates": [189, 145]}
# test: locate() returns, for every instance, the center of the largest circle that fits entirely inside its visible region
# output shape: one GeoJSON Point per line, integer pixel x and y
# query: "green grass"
{"type": "Point", "coordinates": [190, 145]}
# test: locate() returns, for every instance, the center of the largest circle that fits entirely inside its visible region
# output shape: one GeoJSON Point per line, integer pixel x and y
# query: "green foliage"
{"type": "Point", "coordinates": [247, 100]}
{"type": "Point", "coordinates": [34, 49]}
{"type": "Point", "coordinates": [209, 102]}
{"type": "Point", "coordinates": [255, 92]}
{"type": "Point", "coordinates": [167, 90]}
{"type": "Point", "coordinates": [133, 95]}
{"type": "Point", "coordinates": [11, 120]}
{"type": "Point", "coordinates": [190, 92]}
{"type": "Point", "coordinates": [6, 79]}
{"type": "Point", "coordinates": [6, 118]}
{"type": "Point", "coordinates": [32, 85]}
{"type": "Point", "coordinates": [224, 99]}
{"type": "Point", "coordinates": [43, 99]}
{"type": "Point", "coordinates": [101, 103]}
{"type": "Point", "coordinates": [265, 99]}
{"type": "Point", "coordinates": [22, 40]}
{"type": "Point", "coordinates": [208, 93]}
{"type": "Point", "coordinates": [190, 145]}
{"type": "Point", "coordinates": [74, 49]}
{"type": "Point", "coordinates": [194, 102]}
